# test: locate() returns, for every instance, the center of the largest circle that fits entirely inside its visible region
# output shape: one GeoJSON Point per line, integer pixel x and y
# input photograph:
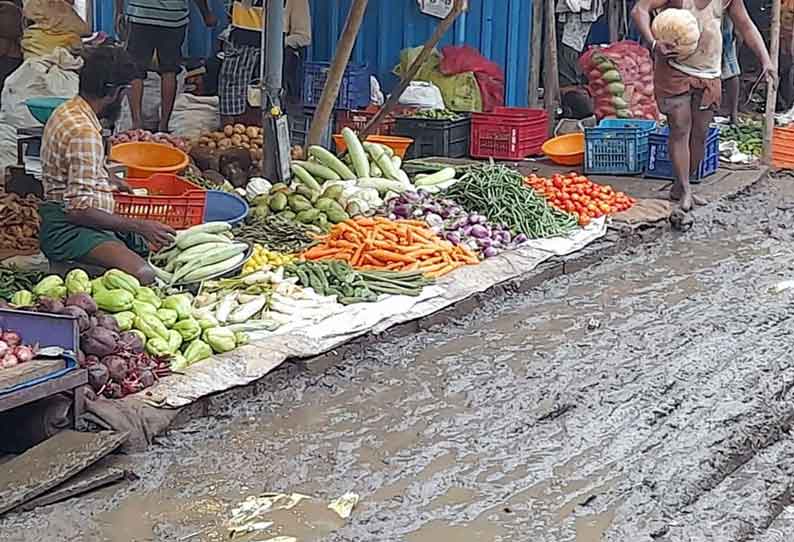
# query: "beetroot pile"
{"type": "Point", "coordinates": [621, 81]}
{"type": "Point", "coordinates": [131, 136]}
{"type": "Point", "coordinates": [12, 351]}
{"type": "Point", "coordinates": [116, 361]}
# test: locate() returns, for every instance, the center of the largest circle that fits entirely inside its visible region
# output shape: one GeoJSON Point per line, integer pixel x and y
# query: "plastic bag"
{"type": "Point", "coordinates": [424, 95]}
{"type": "Point", "coordinates": [621, 81]}
{"type": "Point", "coordinates": [194, 115]}
{"type": "Point", "coordinates": [51, 75]}
{"type": "Point", "coordinates": [151, 103]}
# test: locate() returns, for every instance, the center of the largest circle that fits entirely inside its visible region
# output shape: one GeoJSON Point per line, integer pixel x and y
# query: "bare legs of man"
{"type": "Point", "coordinates": [688, 130]}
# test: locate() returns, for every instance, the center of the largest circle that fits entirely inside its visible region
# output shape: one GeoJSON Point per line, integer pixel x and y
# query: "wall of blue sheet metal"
{"type": "Point", "coordinates": [499, 29]}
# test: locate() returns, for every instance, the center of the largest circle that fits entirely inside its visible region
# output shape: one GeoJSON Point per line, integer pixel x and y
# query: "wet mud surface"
{"type": "Point", "coordinates": [647, 398]}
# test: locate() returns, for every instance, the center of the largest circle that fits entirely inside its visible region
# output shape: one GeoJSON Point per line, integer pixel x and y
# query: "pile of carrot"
{"type": "Point", "coordinates": [393, 245]}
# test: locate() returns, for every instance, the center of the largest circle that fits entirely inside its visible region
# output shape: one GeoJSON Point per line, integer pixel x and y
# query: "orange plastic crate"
{"type": "Point", "coordinates": [783, 147]}
{"type": "Point", "coordinates": [171, 200]}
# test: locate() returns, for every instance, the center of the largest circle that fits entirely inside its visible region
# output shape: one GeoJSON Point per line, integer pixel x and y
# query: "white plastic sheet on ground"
{"type": "Point", "coordinates": [308, 339]}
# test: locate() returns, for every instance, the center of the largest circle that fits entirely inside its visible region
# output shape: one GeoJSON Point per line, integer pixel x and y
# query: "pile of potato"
{"type": "Point", "coordinates": [237, 135]}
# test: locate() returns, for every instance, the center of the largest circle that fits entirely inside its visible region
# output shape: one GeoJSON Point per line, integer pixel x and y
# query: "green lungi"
{"type": "Point", "coordinates": [62, 241]}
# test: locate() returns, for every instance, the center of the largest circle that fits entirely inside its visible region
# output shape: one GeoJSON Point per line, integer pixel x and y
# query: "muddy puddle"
{"type": "Point", "coordinates": [620, 403]}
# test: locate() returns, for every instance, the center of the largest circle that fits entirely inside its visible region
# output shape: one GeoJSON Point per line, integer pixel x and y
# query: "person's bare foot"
{"type": "Point", "coordinates": [686, 202]}
{"type": "Point", "coordinates": [699, 201]}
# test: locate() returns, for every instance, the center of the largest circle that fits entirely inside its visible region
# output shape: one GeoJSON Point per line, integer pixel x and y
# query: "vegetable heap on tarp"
{"type": "Point", "coordinates": [393, 245]}
{"type": "Point", "coordinates": [499, 193]}
{"type": "Point", "coordinates": [580, 196]}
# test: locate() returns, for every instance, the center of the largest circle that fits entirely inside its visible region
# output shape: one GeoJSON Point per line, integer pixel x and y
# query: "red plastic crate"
{"type": "Point", "coordinates": [172, 200]}
{"type": "Point", "coordinates": [357, 119]}
{"type": "Point", "coordinates": [508, 133]}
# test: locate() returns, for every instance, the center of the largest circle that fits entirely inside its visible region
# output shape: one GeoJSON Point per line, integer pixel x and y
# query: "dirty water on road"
{"type": "Point", "coordinates": [645, 398]}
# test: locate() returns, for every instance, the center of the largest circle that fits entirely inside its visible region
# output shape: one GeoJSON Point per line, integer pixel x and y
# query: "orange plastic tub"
{"type": "Point", "coordinates": [144, 159]}
{"type": "Point", "coordinates": [398, 144]}
{"type": "Point", "coordinates": [170, 200]}
{"type": "Point", "coordinates": [565, 150]}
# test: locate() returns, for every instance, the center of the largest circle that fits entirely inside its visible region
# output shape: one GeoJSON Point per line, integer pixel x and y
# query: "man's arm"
{"type": "Point", "coordinates": [641, 14]}
{"type": "Point", "coordinates": [299, 33]}
{"type": "Point", "coordinates": [744, 27]}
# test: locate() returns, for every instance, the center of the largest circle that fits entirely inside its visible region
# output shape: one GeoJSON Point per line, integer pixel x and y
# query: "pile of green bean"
{"type": "Point", "coordinates": [277, 233]}
{"type": "Point", "coordinates": [500, 194]}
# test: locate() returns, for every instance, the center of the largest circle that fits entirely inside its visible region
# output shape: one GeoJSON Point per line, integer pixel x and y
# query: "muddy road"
{"type": "Point", "coordinates": [647, 398]}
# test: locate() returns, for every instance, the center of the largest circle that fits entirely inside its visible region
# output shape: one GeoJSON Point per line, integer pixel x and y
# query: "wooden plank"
{"type": "Point", "coordinates": [613, 18]}
{"type": "Point", "coordinates": [94, 477]}
{"type": "Point", "coordinates": [551, 75]}
{"type": "Point", "coordinates": [51, 463]}
{"type": "Point", "coordinates": [69, 381]}
{"type": "Point", "coordinates": [535, 52]}
{"type": "Point", "coordinates": [31, 370]}
{"type": "Point", "coordinates": [771, 91]}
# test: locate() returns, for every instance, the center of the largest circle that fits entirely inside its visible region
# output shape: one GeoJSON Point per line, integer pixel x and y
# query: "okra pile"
{"type": "Point", "coordinates": [337, 278]}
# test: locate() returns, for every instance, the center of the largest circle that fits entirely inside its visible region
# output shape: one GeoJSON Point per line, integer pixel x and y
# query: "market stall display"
{"type": "Point", "coordinates": [451, 221]}
{"type": "Point", "coordinates": [200, 253]}
{"type": "Point", "coordinates": [235, 135]}
{"type": "Point", "coordinates": [131, 136]}
{"type": "Point", "coordinates": [19, 224]}
{"type": "Point", "coordinates": [499, 193]}
{"type": "Point", "coordinates": [578, 195]}
{"type": "Point", "coordinates": [276, 233]}
{"type": "Point", "coordinates": [12, 281]}
{"type": "Point", "coordinates": [13, 350]}
{"type": "Point", "coordinates": [392, 245]}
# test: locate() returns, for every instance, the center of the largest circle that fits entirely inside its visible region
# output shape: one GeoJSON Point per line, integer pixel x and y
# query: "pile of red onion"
{"type": "Point", "coordinates": [12, 351]}
{"type": "Point", "coordinates": [453, 223]}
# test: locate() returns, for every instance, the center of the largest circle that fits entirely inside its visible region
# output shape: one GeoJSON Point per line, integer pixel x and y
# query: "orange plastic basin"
{"type": "Point", "coordinates": [565, 150]}
{"type": "Point", "coordinates": [145, 159]}
{"type": "Point", "coordinates": [398, 144]}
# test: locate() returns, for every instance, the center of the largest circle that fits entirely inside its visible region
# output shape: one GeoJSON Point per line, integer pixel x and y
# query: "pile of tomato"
{"type": "Point", "coordinates": [580, 196]}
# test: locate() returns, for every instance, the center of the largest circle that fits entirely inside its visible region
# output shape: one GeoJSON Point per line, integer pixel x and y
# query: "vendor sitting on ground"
{"type": "Point", "coordinates": [688, 90]}
{"type": "Point", "coordinates": [77, 220]}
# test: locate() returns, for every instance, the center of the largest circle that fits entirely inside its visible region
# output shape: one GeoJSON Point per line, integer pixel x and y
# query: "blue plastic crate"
{"type": "Point", "coordinates": [353, 92]}
{"type": "Point", "coordinates": [300, 122]}
{"type": "Point", "coordinates": [45, 330]}
{"type": "Point", "coordinates": [660, 166]}
{"type": "Point", "coordinates": [617, 147]}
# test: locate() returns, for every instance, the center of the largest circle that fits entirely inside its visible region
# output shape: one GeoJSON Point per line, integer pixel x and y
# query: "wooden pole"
{"type": "Point", "coordinates": [551, 75]}
{"type": "Point", "coordinates": [771, 90]}
{"type": "Point", "coordinates": [535, 52]}
{"type": "Point", "coordinates": [458, 7]}
{"type": "Point", "coordinates": [337, 71]}
{"type": "Point", "coordinates": [613, 18]}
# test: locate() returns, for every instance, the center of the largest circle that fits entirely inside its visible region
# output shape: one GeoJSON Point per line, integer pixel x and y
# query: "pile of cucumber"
{"type": "Point", "coordinates": [371, 165]}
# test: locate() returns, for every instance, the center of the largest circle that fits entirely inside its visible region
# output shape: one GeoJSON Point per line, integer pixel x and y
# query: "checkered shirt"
{"type": "Point", "coordinates": [73, 159]}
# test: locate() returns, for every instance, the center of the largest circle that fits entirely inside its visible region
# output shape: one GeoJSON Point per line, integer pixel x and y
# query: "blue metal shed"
{"type": "Point", "coordinates": [500, 30]}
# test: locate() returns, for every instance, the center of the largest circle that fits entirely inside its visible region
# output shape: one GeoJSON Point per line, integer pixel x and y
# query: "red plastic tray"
{"type": "Point", "coordinates": [172, 200]}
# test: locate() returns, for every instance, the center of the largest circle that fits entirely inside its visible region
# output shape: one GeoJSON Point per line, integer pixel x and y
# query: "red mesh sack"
{"type": "Point", "coordinates": [490, 77]}
{"type": "Point", "coordinates": [620, 80]}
